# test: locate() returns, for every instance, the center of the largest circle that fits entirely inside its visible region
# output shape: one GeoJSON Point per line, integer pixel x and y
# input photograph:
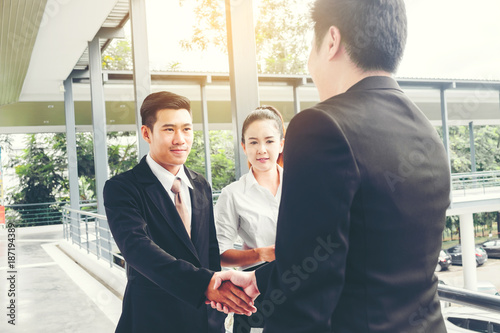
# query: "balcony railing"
{"type": "Point", "coordinates": [90, 231]}
{"type": "Point", "coordinates": [476, 182]}
{"type": "Point", "coordinates": [29, 215]}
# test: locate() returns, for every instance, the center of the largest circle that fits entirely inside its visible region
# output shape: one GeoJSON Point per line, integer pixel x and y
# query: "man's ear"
{"type": "Point", "coordinates": [146, 133]}
{"type": "Point", "coordinates": [333, 40]}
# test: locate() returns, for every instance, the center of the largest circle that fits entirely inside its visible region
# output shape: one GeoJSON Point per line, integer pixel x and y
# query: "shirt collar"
{"type": "Point", "coordinates": [250, 180]}
{"type": "Point", "coordinates": [166, 177]}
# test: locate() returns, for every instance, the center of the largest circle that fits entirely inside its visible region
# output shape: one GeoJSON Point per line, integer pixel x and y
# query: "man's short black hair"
{"type": "Point", "coordinates": [373, 31]}
{"type": "Point", "coordinates": [159, 101]}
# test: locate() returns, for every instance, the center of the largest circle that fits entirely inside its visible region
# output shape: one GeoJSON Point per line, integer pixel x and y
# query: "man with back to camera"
{"type": "Point", "coordinates": [161, 217]}
{"type": "Point", "coordinates": [365, 190]}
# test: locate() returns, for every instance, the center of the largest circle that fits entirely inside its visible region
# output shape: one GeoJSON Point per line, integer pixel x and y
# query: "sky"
{"type": "Point", "coordinates": [457, 39]}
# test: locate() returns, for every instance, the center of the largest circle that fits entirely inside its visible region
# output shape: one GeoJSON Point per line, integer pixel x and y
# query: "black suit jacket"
{"type": "Point", "coordinates": [365, 191]}
{"type": "Point", "coordinates": [167, 271]}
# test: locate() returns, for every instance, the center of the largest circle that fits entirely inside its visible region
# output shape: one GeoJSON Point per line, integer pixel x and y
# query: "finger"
{"type": "Point", "coordinates": [242, 298]}
{"type": "Point", "coordinates": [246, 299]}
{"type": "Point", "coordinates": [238, 306]}
{"type": "Point", "coordinates": [219, 277]}
{"type": "Point", "coordinates": [217, 282]}
{"type": "Point", "coordinates": [236, 299]}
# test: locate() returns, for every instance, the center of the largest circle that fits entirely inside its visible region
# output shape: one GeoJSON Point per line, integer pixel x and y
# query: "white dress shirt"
{"type": "Point", "coordinates": [248, 210]}
{"type": "Point", "coordinates": [166, 178]}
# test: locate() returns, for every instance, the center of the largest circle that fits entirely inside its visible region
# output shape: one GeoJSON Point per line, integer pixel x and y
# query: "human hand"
{"type": "Point", "coordinates": [229, 297]}
{"type": "Point", "coordinates": [266, 253]}
{"type": "Point", "coordinates": [245, 280]}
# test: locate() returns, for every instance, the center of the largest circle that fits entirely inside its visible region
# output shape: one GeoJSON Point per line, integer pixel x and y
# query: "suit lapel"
{"type": "Point", "coordinates": [157, 194]}
{"type": "Point", "coordinates": [197, 207]}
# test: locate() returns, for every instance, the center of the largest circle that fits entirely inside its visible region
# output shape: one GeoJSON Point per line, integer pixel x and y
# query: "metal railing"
{"type": "Point", "coordinates": [90, 231]}
{"type": "Point", "coordinates": [29, 215]}
{"type": "Point", "coordinates": [472, 182]}
{"type": "Point", "coordinates": [470, 298]}
{"type": "Point", "coordinates": [37, 214]}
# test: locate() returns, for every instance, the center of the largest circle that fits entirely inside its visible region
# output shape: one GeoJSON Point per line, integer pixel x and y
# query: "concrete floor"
{"type": "Point", "coordinates": [48, 297]}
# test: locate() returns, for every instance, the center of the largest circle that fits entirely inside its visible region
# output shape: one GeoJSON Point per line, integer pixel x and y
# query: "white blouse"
{"type": "Point", "coordinates": [248, 210]}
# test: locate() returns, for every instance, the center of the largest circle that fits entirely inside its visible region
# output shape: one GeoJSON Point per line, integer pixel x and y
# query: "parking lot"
{"type": "Point", "coordinates": [489, 271]}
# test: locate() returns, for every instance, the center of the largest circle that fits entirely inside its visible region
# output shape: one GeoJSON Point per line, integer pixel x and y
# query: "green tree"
{"type": "Point", "coordinates": [42, 166]}
{"type": "Point", "coordinates": [452, 224]}
{"type": "Point", "coordinates": [41, 180]}
{"type": "Point", "coordinates": [118, 55]}
{"type": "Point", "coordinates": [122, 156]}
{"type": "Point", "coordinates": [5, 142]}
{"type": "Point", "coordinates": [280, 33]}
{"type": "Point", "coordinates": [486, 143]}
{"type": "Point", "coordinates": [221, 157]}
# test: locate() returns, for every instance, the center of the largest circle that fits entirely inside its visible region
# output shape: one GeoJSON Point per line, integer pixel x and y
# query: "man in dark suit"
{"type": "Point", "coordinates": [365, 190]}
{"type": "Point", "coordinates": [166, 233]}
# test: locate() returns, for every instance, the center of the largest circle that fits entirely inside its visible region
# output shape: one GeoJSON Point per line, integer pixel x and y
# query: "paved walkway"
{"type": "Point", "coordinates": [52, 293]}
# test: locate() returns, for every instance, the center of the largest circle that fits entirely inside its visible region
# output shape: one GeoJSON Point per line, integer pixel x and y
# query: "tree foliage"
{"type": "Point", "coordinates": [221, 157]}
{"type": "Point", "coordinates": [40, 172]}
{"type": "Point", "coordinates": [487, 154]}
{"type": "Point", "coordinates": [280, 33]}
{"type": "Point", "coordinates": [42, 166]}
{"type": "Point", "coordinates": [486, 143]}
{"type": "Point", "coordinates": [118, 55]}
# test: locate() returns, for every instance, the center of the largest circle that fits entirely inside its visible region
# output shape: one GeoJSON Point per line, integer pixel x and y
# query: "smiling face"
{"type": "Point", "coordinates": [262, 144]}
{"type": "Point", "coordinates": [171, 139]}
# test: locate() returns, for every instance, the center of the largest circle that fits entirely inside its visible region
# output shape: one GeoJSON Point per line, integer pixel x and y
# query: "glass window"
{"type": "Point", "coordinates": [495, 328]}
{"type": "Point", "coordinates": [490, 243]}
{"type": "Point", "coordinates": [478, 325]}
{"type": "Point", "coordinates": [460, 322]}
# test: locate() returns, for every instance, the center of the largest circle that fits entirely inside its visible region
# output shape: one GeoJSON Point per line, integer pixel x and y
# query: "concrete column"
{"type": "Point", "coordinates": [242, 71]}
{"type": "Point", "coordinates": [472, 148]}
{"type": "Point", "coordinates": [296, 99]}
{"type": "Point", "coordinates": [446, 132]}
{"type": "Point", "coordinates": [468, 251]}
{"type": "Point", "coordinates": [444, 121]}
{"type": "Point", "coordinates": [98, 121]}
{"type": "Point", "coordinates": [74, 190]}
{"type": "Point", "coordinates": [142, 76]}
{"type": "Point", "coordinates": [100, 142]}
{"type": "Point", "coordinates": [206, 134]}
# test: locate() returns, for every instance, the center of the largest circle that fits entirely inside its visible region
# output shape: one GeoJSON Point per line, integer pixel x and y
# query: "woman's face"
{"type": "Point", "coordinates": [262, 144]}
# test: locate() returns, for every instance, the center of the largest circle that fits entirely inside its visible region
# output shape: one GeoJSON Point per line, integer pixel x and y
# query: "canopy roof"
{"type": "Point", "coordinates": [42, 42]}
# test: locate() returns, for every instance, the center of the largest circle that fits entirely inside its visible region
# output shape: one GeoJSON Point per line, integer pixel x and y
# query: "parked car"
{"type": "Point", "coordinates": [456, 255]}
{"type": "Point", "coordinates": [492, 247]}
{"type": "Point", "coordinates": [444, 261]}
{"type": "Point", "coordinates": [467, 319]}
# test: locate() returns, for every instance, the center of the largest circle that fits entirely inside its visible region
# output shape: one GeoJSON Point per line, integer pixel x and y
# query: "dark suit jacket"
{"type": "Point", "coordinates": [365, 191]}
{"type": "Point", "coordinates": [167, 271]}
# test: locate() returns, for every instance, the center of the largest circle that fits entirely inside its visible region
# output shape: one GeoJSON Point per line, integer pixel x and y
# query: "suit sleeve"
{"type": "Point", "coordinates": [178, 277]}
{"type": "Point", "coordinates": [320, 179]}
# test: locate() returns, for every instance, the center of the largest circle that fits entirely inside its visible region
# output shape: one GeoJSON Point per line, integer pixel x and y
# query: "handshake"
{"type": "Point", "coordinates": [233, 291]}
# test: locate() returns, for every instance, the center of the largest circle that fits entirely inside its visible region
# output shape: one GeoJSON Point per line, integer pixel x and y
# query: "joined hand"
{"type": "Point", "coordinates": [245, 280]}
{"type": "Point", "coordinates": [228, 297]}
